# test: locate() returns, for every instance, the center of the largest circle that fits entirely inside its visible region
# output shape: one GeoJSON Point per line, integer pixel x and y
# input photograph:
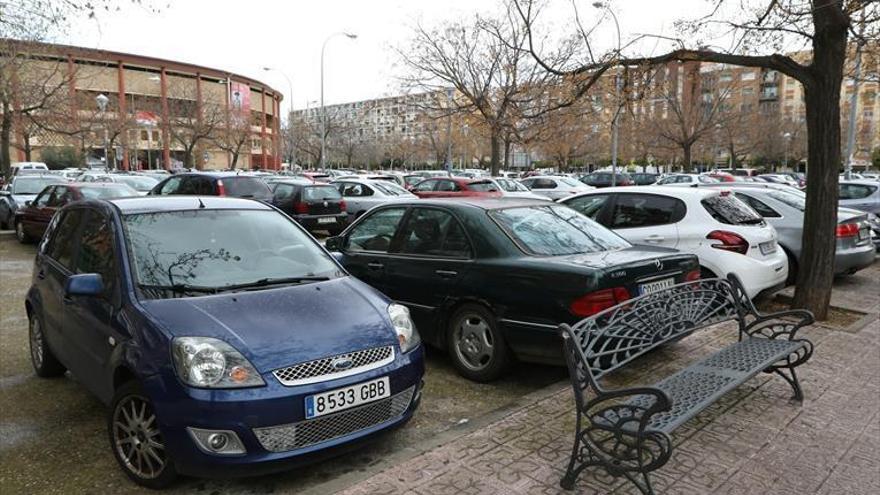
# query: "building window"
{"type": "Point", "coordinates": [748, 76]}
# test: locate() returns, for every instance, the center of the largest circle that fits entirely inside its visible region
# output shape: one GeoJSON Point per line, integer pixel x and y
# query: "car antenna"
{"type": "Point", "coordinates": [201, 205]}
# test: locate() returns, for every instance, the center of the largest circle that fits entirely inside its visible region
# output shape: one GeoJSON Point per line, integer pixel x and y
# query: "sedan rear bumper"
{"type": "Point", "coordinates": [854, 259]}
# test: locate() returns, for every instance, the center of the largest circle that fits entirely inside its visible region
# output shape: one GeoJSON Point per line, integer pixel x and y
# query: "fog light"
{"type": "Point", "coordinates": [217, 442]}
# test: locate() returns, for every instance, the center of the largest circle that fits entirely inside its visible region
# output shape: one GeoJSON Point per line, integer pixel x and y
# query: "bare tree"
{"type": "Point", "coordinates": [196, 119]}
{"type": "Point", "coordinates": [758, 30]}
{"type": "Point", "coordinates": [478, 68]}
{"type": "Point", "coordinates": [234, 138]}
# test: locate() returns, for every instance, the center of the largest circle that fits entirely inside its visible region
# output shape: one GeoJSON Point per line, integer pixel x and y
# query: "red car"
{"type": "Point", "coordinates": [722, 176]}
{"type": "Point", "coordinates": [456, 187]}
{"type": "Point", "coordinates": [32, 219]}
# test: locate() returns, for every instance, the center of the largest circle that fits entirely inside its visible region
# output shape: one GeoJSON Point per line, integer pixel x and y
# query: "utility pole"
{"type": "Point", "coordinates": [853, 104]}
{"type": "Point", "coordinates": [448, 164]}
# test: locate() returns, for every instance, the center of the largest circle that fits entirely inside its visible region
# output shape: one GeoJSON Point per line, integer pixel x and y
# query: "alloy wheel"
{"type": "Point", "coordinates": [474, 342]}
{"type": "Point", "coordinates": [137, 439]}
{"type": "Point", "coordinates": [19, 232]}
{"type": "Point", "coordinates": [36, 341]}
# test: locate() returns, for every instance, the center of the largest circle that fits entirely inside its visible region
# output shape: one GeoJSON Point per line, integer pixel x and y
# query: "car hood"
{"type": "Point", "coordinates": [21, 198]}
{"type": "Point", "coordinates": [278, 327]}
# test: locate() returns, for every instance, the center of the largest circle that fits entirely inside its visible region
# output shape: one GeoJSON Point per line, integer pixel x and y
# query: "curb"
{"type": "Point", "coordinates": [345, 481]}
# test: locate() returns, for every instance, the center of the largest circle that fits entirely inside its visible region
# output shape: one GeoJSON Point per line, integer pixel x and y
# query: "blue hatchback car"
{"type": "Point", "coordinates": [223, 337]}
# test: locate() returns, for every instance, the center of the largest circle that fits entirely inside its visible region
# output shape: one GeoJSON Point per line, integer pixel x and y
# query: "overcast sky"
{"type": "Point", "coordinates": [244, 36]}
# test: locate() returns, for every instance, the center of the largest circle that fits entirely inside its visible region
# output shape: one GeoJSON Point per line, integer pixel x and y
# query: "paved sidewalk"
{"type": "Point", "coordinates": [753, 441]}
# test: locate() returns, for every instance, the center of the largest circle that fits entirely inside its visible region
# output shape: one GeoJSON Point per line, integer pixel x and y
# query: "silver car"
{"type": "Point", "coordinates": [362, 194]}
{"type": "Point", "coordinates": [861, 195]}
{"type": "Point", "coordinates": [784, 210]}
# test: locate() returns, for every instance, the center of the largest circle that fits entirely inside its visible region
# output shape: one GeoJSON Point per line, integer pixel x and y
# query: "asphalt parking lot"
{"type": "Point", "coordinates": [53, 436]}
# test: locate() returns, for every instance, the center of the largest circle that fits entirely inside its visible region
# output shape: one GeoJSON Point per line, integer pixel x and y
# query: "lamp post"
{"type": "Point", "coordinates": [787, 138]}
{"type": "Point", "coordinates": [350, 36]}
{"type": "Point", "coordinates": [448, 164]}
{"type": "Point", "coordinates": [102, 101]}
{"type": "Point", "coordinates": [615, 124]}
{"type": "Point", "coordinates": [289, 112]}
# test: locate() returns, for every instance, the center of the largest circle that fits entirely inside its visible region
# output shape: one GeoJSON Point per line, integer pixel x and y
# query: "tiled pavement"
{"type": "Point", "coordinates": [753, 441]}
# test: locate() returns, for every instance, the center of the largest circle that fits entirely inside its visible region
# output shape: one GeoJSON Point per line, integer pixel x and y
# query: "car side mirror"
{"type": "Point", "coordinates": [333, 243]}
{"type": "Point", "coordinates": [84, 284]}
{"type": "Point", "coordinates": [27, 203]}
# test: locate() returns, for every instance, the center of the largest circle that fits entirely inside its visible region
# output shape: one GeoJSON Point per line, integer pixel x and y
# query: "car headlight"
{"type": "Point", "coordinates": [212, 363]}
{"type": "Point", "coordinates": [407, 334]}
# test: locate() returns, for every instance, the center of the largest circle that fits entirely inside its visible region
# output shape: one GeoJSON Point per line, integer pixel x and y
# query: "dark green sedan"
{"type": "Point", "coordinates": [489, 280]}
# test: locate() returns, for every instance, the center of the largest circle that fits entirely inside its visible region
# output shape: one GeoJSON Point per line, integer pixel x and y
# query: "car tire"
{"type": "Point", "coordinates": [46, 365]}
{"type": "Point", "coordinates": [707, 273]}
{"type": "Point", "coordinates": [792, 269]}
{"type": "Point", "coordinates": [21, 235]}
{"type": "Point", "coordinates": [135, 438]}
{"type": "Point", "coordinates": [478, 349]}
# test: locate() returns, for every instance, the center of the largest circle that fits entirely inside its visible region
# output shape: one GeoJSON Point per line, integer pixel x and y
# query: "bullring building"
{"type": "Point", "coordinates": [134, 112]}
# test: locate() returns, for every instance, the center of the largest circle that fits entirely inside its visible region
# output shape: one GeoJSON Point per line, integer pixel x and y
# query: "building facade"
{"type": "Point", "coordinates": [133, 112]}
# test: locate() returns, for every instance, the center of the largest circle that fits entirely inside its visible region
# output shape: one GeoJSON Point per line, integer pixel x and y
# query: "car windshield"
{"type": "Point", "coordinates": [107, 191]}
{"type": "Point", "coordinates": [389, 188]}
{"type": "Point", "coordinates": [484, 186]}
{"type": "Point", "coordinates": [319, 193]}
{"type": "Point", "coordinates": [216, 249]}
{"type": "Point", "coordinates": [730, 210]}
{"type": "Point", "coordinates": [556, 230]}
{"type": "Point", "coordinates": [32, 185]}
{"type": "Point", "coordinates": [569, 182]}
{"type": "Point", "coordinates": [793, 200]}
{"type": "Point", "coordinates": [511, 185]}
{"type": "Point", "coordinates": [137, 183]}
{"type": "Point", "coordinates": [246, 187]}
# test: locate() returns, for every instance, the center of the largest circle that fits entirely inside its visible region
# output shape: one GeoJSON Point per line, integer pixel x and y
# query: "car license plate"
{"type": "Point", "coordinates": [864, 234]}
{"type": "Point", "coordinates": [347, 397]}
{"type": "Point", "coordinates": [768, 247]}
{"type": "Point", "coordinates": [327, 220]}
{"type": "Point", "coordinates": [655, 286]}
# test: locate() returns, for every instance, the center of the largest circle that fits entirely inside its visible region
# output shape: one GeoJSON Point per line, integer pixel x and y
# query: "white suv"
{"type": "Point", "coordinates": [725, 234]}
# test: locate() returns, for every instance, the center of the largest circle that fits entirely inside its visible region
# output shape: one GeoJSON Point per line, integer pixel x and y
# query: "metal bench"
{"type": "Point", "coordinates": [626, 431]}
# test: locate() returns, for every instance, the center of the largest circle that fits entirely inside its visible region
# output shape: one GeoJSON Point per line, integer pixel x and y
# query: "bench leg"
{"type": "Point", "coordinates": [792, 380]}
{"type": "Point", "coordinates": [643, 484]}
{"type": "Point", "coordinates": [571, 472]}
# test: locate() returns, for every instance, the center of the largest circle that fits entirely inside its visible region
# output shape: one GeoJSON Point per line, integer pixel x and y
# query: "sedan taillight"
{"type": "Point", "coordinates": [301, 207]}
{"type": "Point", "coordinates": [729, 241]}
{"type": "Point", "coordinates": [342, 205]}
{"type": "Point", "coordinates": [597, 301]}
{"type": "Point", "coordinates": [692, 275]}
{"type": "Point", "coordinates": [847, 230]}
{"type": "Point", "coordinates": [221, 189]}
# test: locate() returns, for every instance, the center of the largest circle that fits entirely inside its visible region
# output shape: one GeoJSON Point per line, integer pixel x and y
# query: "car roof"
{"type": "Point", "coordinates": [93, 184]}
{"type": "Point", "coordinates": [698, 192]}
{"type": "Point", "coordinates": [149, 204]}
{"type": "Point", "coordinates": [864, 182]}
{"type": "Point", "coordinates": [476, 203]}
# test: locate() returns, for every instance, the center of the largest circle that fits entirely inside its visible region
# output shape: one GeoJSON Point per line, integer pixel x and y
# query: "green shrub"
{"type": "Point", "coordinates": [60, 157]}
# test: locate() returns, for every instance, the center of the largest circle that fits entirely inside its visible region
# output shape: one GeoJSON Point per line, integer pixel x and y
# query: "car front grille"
{"type": "Point", "coordinates": [284, 438]}
{"type": "Point", "coordinates": [322, 369]}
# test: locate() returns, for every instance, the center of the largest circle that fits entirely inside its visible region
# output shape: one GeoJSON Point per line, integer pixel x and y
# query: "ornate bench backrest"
{"type": "Point", "coordinates": [606, 341]}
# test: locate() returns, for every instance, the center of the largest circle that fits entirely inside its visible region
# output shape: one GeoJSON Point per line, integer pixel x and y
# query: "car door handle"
{"type": "Point", "coordinates": [446, 273]}
{"type": "Point", "coordinates": [375, 265]}
{"type": "Point", "coordinates": [67, 300]}
{"type": "Point", "coordinates": [654, 238]}
{"type": "Point", "coordinates": [41, 274]}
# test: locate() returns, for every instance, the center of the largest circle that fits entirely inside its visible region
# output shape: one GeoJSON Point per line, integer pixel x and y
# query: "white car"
{"type": "Point", "coordinates": [362, 194]}
{"type": "Point", "coordinates": [725, 234]}
{"type": "Point", "coordinates": [685, 180]}
{"type": "Point", "coordinates": [140, 183]}
{"type": "Point", "coordinates": [512, 189]}
{"type": "Point", "coordinates": [555, 186]}
{"type": "Point", "coordinates": [780, 179]}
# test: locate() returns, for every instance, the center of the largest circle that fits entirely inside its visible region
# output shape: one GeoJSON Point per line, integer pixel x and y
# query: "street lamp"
{"type": "Point", "coordinates": [787, 138]}
{"type": "Point", "coordinates": [615, 131]}
{"type": "Point", "coordinates": [350, 36]}
{"type": "Point", "coordinates": [290, 112]}
{"type": "Point", "coordinates": [102, 101]}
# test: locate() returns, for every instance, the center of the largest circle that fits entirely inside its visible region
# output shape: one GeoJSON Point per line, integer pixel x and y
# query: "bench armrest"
{"type": "Point", "coordinates": [782, 324]}
{"type": "Point", "coordinates": [609, 409]}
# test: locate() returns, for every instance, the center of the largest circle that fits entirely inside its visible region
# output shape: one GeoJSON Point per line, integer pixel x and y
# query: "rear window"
{"type": "Point", "coordinates": [390, 188]}
{"type": "Point", "coordinates": [730, 210]}
{"type": "Point", "coordinates": [246, 187]}
{"type": "Point", "coordinates": [793, 200]}
{"type": "Point", "coordinates": [556, 230]}
{"type": "Point", "coordinates": [482, 186]}
{"type": "Point", "coordinates": [318, 193]}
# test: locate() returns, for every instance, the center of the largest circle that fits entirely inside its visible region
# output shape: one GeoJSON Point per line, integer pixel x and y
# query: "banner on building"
{"type": "Point", "coordinates": [240, 98]}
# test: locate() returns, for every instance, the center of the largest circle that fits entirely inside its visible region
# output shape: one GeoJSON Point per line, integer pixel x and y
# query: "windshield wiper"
{"type": "Point", "coordinates": [181, 288]}
{"type": "Point", "coordinates": [265, 282]}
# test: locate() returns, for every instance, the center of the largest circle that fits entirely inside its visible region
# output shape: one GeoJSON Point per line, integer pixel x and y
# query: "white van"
{"type": "Point", "coordinates": [28, 168]}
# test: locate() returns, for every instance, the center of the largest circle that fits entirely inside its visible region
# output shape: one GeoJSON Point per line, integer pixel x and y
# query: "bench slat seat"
{"type": "Point", "coordinates": [695, 388]}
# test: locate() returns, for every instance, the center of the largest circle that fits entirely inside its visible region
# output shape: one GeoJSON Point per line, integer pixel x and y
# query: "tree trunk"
{"type": "Point", "coordinates": [495, 164]}
{"type": "Point", "coordinates": [506, 153]}
{"type": "Point", "coordinates": [234, 161]}
{"type": "Point", "coordinates": [5, 141]}
{"type": "Point", "coordinates": [686, 152]}
{"type": "Point", "coordinates": [822, 97]}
